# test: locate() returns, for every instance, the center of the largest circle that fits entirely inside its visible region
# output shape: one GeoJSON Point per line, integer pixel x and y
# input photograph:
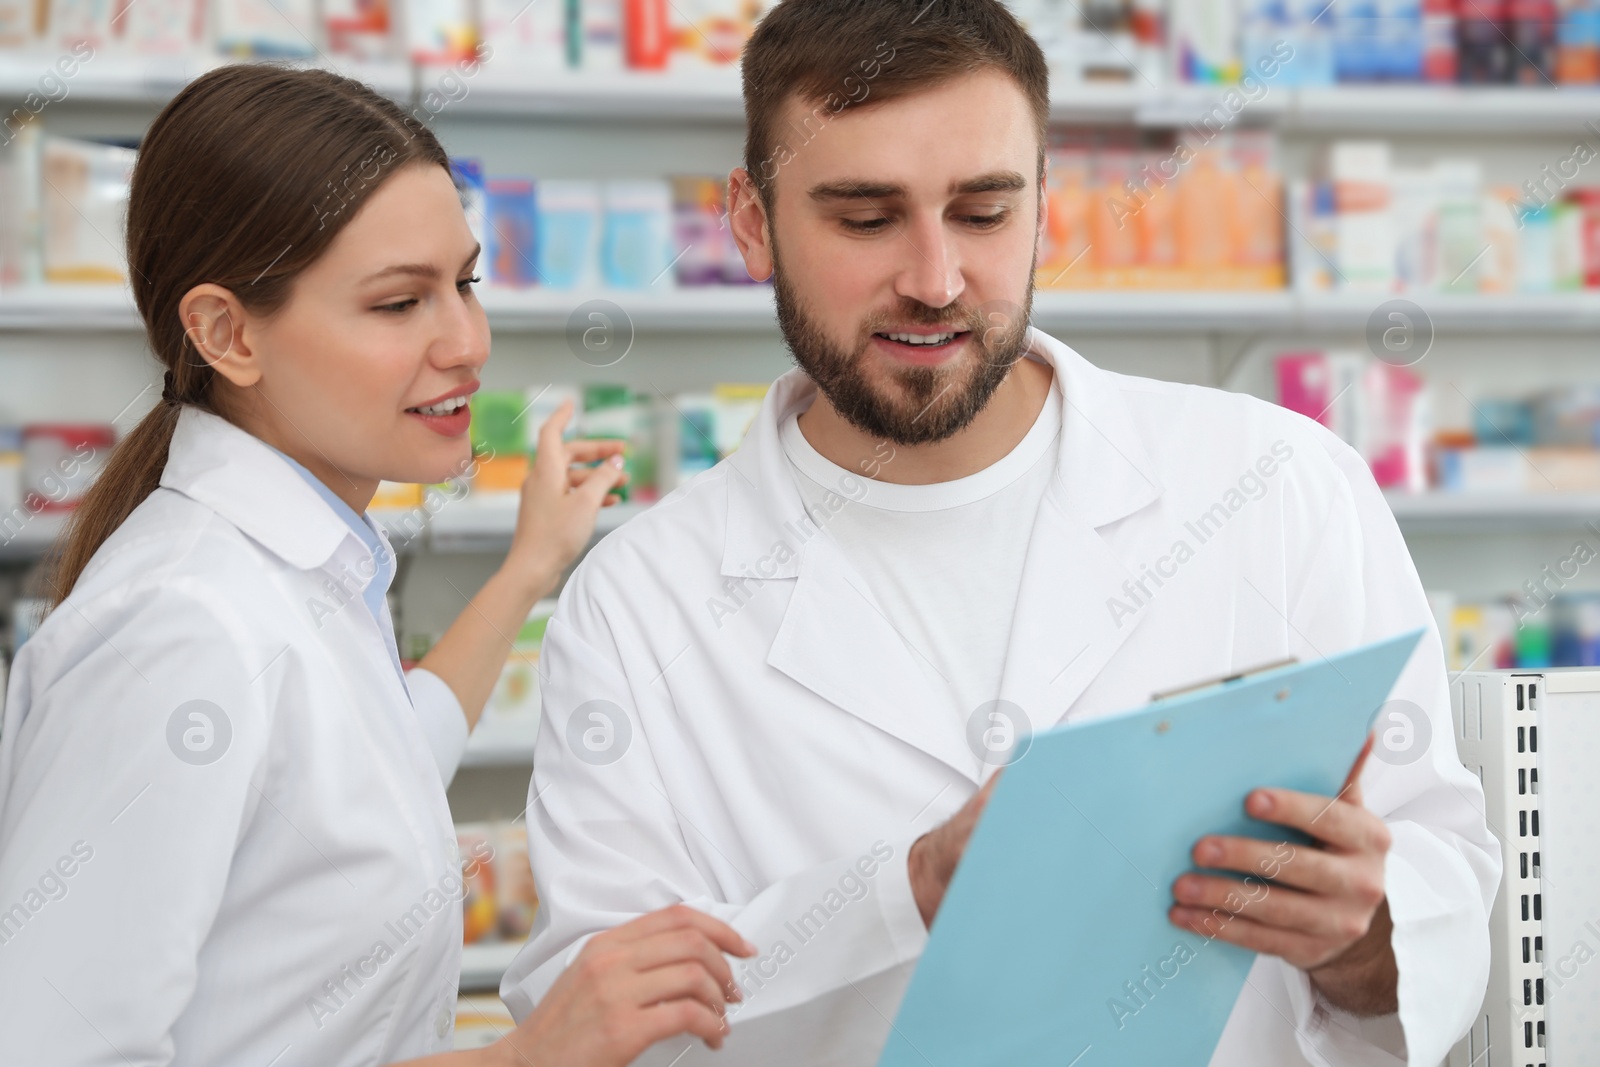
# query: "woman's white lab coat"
{"type": "Point", "coordinates": [223, 829]}
{"type": "Point", "coordinates": [776, 743]}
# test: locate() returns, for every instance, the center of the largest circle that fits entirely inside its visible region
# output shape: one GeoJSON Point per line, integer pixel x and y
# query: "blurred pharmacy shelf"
{"type": "Point", "coordinates": [736, 309]}
{"type": "Point", "coordinates": [153, 80]}
{"type": "Point", "coordinates": [485, 524]}
{"type": "Point", "coordinates": [714, 95]}
{"type": "Point", "coordinates": [482, 965]}
{"type": "Point", "coordinates": [496, 755]}
{"type": "Point", "coordinates": [474, 524]}
{"type": "Point", "coordinates": [1481, 513]}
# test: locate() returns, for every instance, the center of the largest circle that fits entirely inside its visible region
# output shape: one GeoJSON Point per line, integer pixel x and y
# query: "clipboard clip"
{"type": "Point", "coordinates": [1223, 679]}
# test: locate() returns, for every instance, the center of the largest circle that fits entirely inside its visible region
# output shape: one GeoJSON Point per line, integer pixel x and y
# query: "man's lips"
{"type": "Point", "coordinates": [913, 352]}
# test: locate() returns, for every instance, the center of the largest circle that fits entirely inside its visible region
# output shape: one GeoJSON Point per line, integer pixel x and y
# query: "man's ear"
{"type": "Point", "coordinates": [747, 219]}
{"type": "Point", "coordinates": [1044, 208]}
{"type": "Point", "coordinates": [214, 323]}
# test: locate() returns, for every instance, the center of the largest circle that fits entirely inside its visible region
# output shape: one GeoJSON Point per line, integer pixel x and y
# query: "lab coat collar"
{"type": "Point", "coordinates": [1103, 471]}
{"type": "Point", "coordinates": [235, 474]}
{"type": "Point", "coordinates": [1061, 633]}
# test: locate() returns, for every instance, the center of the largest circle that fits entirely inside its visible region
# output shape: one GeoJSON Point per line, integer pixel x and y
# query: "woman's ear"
{"type": "Point", "coordinates": [214, 325]}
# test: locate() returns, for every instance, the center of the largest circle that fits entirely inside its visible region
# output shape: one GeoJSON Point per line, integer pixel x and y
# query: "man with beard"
{"type": "Point", "coordinates": [781, 696]}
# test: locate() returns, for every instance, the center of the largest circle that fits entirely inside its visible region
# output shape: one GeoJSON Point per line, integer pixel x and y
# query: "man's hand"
{"type": "Point", "coordinates": [934, 855]}
{"type": "Point", "coordinates": [1321, 908]}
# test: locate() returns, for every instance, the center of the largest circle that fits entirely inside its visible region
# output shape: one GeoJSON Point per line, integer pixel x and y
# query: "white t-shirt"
{"type": "Point", "coordinates": [944, 561]}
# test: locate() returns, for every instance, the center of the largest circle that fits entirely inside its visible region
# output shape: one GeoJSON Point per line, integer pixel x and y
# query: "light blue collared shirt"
{"type": "Point", "coordinates": [382, 555]}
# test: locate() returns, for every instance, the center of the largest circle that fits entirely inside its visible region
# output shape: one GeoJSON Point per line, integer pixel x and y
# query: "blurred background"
{"type": "Point", "coordinates": [1385, 215]}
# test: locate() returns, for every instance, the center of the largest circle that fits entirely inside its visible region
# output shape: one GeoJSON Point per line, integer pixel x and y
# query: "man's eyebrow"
{"type": "Point", "coordinates": [854, 190]}
{"type": "Point", "coordinates": [1002, 181]}
{"type": "Point", "coordinates": [418, 270]}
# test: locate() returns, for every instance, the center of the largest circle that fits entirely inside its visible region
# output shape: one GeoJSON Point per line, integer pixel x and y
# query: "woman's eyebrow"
{"type": "Point", "coordinates": [419, 270]}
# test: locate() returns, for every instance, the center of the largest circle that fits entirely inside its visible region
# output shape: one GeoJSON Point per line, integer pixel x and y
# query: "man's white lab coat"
{"type": "Point", "coordinates": [730, 721]}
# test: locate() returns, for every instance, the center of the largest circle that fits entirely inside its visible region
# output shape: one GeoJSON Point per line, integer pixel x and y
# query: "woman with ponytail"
{"type": "Point", "coordinates": [224, 838]}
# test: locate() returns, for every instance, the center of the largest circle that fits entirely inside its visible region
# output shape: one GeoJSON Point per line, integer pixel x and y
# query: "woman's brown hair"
{"type": "Point", "coordinates": [243, 181]}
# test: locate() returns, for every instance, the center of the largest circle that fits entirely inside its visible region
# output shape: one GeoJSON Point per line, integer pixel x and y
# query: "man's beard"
{"type": "Point", "coordinates": [934, 403]}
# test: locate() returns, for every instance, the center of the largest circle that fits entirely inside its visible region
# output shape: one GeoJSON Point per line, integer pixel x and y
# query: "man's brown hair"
{"type": "Point", "coordinates": [839, 54]}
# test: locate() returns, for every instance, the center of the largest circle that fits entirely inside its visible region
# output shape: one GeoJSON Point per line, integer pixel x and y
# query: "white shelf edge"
{"type": "Point", "coordinates": [484, 963]}
{"type": "Point", "coordinates": [718, 309]}
{"type": "Point", "coordinates": [710, 93]}
{"type": "Point", "coordinates": [1480, 513]}
{"type": "Point", "coordinates": [497, 755]}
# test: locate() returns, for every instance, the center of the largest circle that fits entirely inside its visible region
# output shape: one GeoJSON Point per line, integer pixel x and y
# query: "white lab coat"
{"type": "Point", "coordinates": [777, 728]}
{"type": "Point", "coordinates": [165, 910]}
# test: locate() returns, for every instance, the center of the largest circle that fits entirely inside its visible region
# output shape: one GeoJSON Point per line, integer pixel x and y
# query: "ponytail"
{"type": "Point", "coordinates": [242, 181]}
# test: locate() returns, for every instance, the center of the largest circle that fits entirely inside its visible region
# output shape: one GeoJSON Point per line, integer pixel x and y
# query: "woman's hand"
{"type": "Point", "coordinates": [559, 503]}
{"type": "Point", "coordinates": [643, 982]}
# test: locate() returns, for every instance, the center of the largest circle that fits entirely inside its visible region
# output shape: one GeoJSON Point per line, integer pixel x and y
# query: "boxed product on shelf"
{"type": "Point", "coordinates": [698, 207]}
{"type": "Point", "coordinates": [1539, 626]}
{"type": "Point", "coordinates": [60, 461]}
{"type": "Point", "coordinates": [523, 36]}
{"type": "Point", "coordinates": [1379, 409]}
{"type": "Point", "coordinates": [511, 716]}
{"type": "Point", "coordinates": [1366, 226]}
{"type": "Point", "coordinates": [512, 220]}
{"type": "Point", "coordinates": [474, 191]}
{"type": "Point", "coordinates": [616, 412]}
{"type": "Point", "coordinates": [19, 23]}
{"type": "Point", "coordinates": [1198, 213]}
{"type": "Point", "coordinates": [85, 200]}
{"type": "Point", "coordinates": [711, 33]}
{"type": "Point", "coordinates": [80, 22]}
{"type": "Point", "coordinates": [481, 1020]}
{"type": "Point", "coordinates": [598, 34]}
{"type": "Point", "coordinates": [1204, 38]}
{"type": "Point", "coordinates": [440, 32]}
{"type": "Point", "coordinates": [499, 898]}
{"type": "Point", "coordinates": [637, 246]}
{"type": "Point", "coordinates": [284, 29]}
{"type": "Point", "coordinates": [479, 909]}
{"type": "Point", "coordinates": [710, 426]}
{"type": "Point", "coordinates": [505, 426]}
{"type": "Point", "coordinates": [364, 30]}
{"type": "Point", "coordinates": [161, 27]}
{"type": "Point", "coordinates": [516, 899]}
{"type": "Point", "coordinates": [500, 440]}
{"type": "Point", "coordinates": [569, 219]}
{"type": "Point", "coordinates": [21, 201]}
{"type": "Point", "coordinates": [11, 460]}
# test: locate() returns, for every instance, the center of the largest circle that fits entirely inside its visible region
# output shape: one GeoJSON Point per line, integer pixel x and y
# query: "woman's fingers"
{"type": "Point", "coordinates": [661, 1021]}
{"type": "Point", "coordinates": [599, 482]}
{"type": "Point", "coordinates": [721, 934]}
{"type": "Point", "coordinates": [686, 945]}
{"type": "Point", "coordinates": [590, 450]}
{"type": "Point", "coordinates": [576, 476]}
{"type": "Point", "coordinates": [678, 981]}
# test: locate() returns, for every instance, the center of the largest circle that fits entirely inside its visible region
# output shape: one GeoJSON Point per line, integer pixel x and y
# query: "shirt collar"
{"type": "Point", "coordinates": [247, 482]}
{"type": "Point", "coordinates": [365, 530]}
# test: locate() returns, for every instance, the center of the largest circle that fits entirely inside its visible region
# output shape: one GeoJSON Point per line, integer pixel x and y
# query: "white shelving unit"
{"type": "Point", "coordinates": [505, 90]}
{"type": "Point", "coordinates": [744, 309]}
{"type": "Point", "coordinates": [483, 964]}
{"type": "Point", "coordinates": [520, 121]}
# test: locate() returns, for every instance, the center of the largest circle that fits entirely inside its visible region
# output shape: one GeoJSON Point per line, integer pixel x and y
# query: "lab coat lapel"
{"type": "Point", "coordinates": [834, 639]}
{"type": "Point", "coordinates": [1063, 631]}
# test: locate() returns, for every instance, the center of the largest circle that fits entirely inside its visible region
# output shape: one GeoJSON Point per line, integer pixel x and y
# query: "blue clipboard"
{"type": "Point", "coordinates": [1052, 944]}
